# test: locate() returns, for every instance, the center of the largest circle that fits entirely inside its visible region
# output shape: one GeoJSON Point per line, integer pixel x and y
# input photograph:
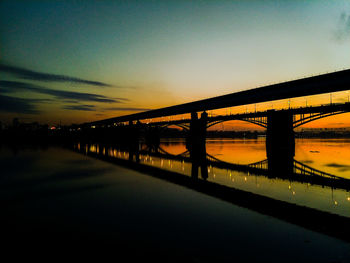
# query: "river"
{"type": "Point", "coordinates": [56, 194]}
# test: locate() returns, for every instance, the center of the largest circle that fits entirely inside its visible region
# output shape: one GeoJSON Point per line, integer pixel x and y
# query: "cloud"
{"type": "Point", "coordinates": [341, 167]}
{"type": "Point", "coordinates": [126, 109]}
{"type": "Point", "coordinates": [13, 86]}
{"type": "Point", "coordinates": [17, 105]}
{"type": "Point", "coordinates": [34, 75]}
{"type": "Point", "coordinates": [306, 161]}
{"type": "Point", "coordinates": [343, 30]}
{"type": "Point", "coordinates": [80, 107]}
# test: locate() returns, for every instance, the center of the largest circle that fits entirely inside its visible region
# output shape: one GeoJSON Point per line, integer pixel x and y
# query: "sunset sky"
{"type": "Point", "coordinates": [78, 61]}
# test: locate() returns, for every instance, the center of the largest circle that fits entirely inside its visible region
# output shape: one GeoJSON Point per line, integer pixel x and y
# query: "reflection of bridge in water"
{"type": "Point", "coordinates": [311, 218]}
{"type": "Point", "coordinates": [300, 172]}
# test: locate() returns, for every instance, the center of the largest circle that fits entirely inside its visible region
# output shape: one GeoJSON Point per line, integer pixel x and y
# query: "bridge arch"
{"type": "Point", "coordinates": [250, 120]}
{"type": "Point", "coordinates": [312, 117]}
{"type": "Point", "coordinates": [181, 125]}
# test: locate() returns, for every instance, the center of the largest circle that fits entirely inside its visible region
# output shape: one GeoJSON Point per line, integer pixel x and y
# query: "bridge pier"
{"type": "Point", "coordinates": [195, 144]}
{"type": "Point", "coordinates": [280, 141]}
{"type": "Point", "coordinates": [198, 131]}
{"type": "Point", "coordinates": [131, 136]}
{"type": "Point", "coordinates": [152, 137]}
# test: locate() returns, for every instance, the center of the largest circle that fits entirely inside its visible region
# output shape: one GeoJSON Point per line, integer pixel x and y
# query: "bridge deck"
{"type": "Point", "coordinates": [325, 83]}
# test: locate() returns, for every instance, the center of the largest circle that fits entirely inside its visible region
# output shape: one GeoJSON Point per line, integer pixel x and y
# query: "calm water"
{"type": "Point", "coordinates": [63, 197]}
{"type": "Point", "coordinates": [327, 155]}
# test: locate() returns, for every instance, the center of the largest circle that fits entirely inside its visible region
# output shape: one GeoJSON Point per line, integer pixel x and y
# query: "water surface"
{"type": "Point", "coordinates": [62, 199]}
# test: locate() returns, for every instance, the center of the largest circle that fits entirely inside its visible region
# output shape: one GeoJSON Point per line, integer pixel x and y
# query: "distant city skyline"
{"type": "Point", "coordinates": [78, 61]}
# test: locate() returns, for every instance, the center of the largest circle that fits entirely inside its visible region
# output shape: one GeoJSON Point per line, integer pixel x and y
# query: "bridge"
{"type": "Point", "coordinates": [301, 173]}
{"type": "Point", "coordinates": [279, 124]}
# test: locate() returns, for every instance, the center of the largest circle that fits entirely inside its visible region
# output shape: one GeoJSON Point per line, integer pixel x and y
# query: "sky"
{"type": "Point", "coordinates": [76, 61]}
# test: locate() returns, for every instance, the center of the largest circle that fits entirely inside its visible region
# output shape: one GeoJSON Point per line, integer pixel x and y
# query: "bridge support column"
{"type": "Point", "coordinates": [198, 131]}
{"type": "Point", "coordinates": [152, 137]}
{"type": "Point", "coordinates": [280, 141]}
{"type": "Point", "coordinates": [131, 136]}
{"type": "Point", "coordinates": [195, 143]}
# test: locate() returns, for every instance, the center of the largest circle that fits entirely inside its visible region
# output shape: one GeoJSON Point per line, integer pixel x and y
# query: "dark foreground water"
{"type": "Point", "coordinates": [56, 202]}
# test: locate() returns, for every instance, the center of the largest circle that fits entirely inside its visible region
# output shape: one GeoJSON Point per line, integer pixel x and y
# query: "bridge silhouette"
{"type": "Point", "coordinates": [279, 124]}
{"type": "Point", "coordinates": [326, 83]}
{"type": "Point", "coordinates": [280, 145]}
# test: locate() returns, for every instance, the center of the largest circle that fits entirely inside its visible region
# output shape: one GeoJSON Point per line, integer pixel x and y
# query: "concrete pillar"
{"type": "Point", "coordinates": [198, 131]}
{"type": "Point", "coordinates": [280, 141]}
{"type": "Point", "coordinates": [152, 137]}
{"type": "Point", "coordinates": [131, 135]}
{"type": "Point", "coordinates": [195, 143]}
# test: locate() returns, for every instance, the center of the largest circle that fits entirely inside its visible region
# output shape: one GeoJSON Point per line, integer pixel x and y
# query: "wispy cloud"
{"type": "Point", "coordinates": [80, 107]}
{"type": "Point", "coordinates": [126, 109]}
{"type": "Point", "coordinates": [343, 30]}
{"type": "Point", "coordinates": [18, 105]}
{"type": "Point", "coordinates": [39, 76]}
{"type": "Point", "coordinates": [13, 86]}
{"type": "Point", "coordinates": [341, 167]}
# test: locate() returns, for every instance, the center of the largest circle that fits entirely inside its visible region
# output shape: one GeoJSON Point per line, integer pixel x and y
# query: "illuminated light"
{"type": "Point", "coordinates": [53, 128]}
{"type": "Point", "coordinates": [245, 178]}
{"type": "Point", "coordinates": [348, 198]}
{"type": "Point", "coordinates": [230, 174]}
{"type": "Point", "coordinates": [293, 192]}
{"type": "Point", "coordinates": [233, 179]}
{"type": "Point", "coordinates": [335, 202]}
{"type": "Point", "coordinates": [289, 187]}
{"type": "Point", "coordinates": [93, 127]}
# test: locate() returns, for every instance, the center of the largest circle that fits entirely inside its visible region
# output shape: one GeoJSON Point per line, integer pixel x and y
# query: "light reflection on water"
{"type": "Point", "coordinates": [327, 155]}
